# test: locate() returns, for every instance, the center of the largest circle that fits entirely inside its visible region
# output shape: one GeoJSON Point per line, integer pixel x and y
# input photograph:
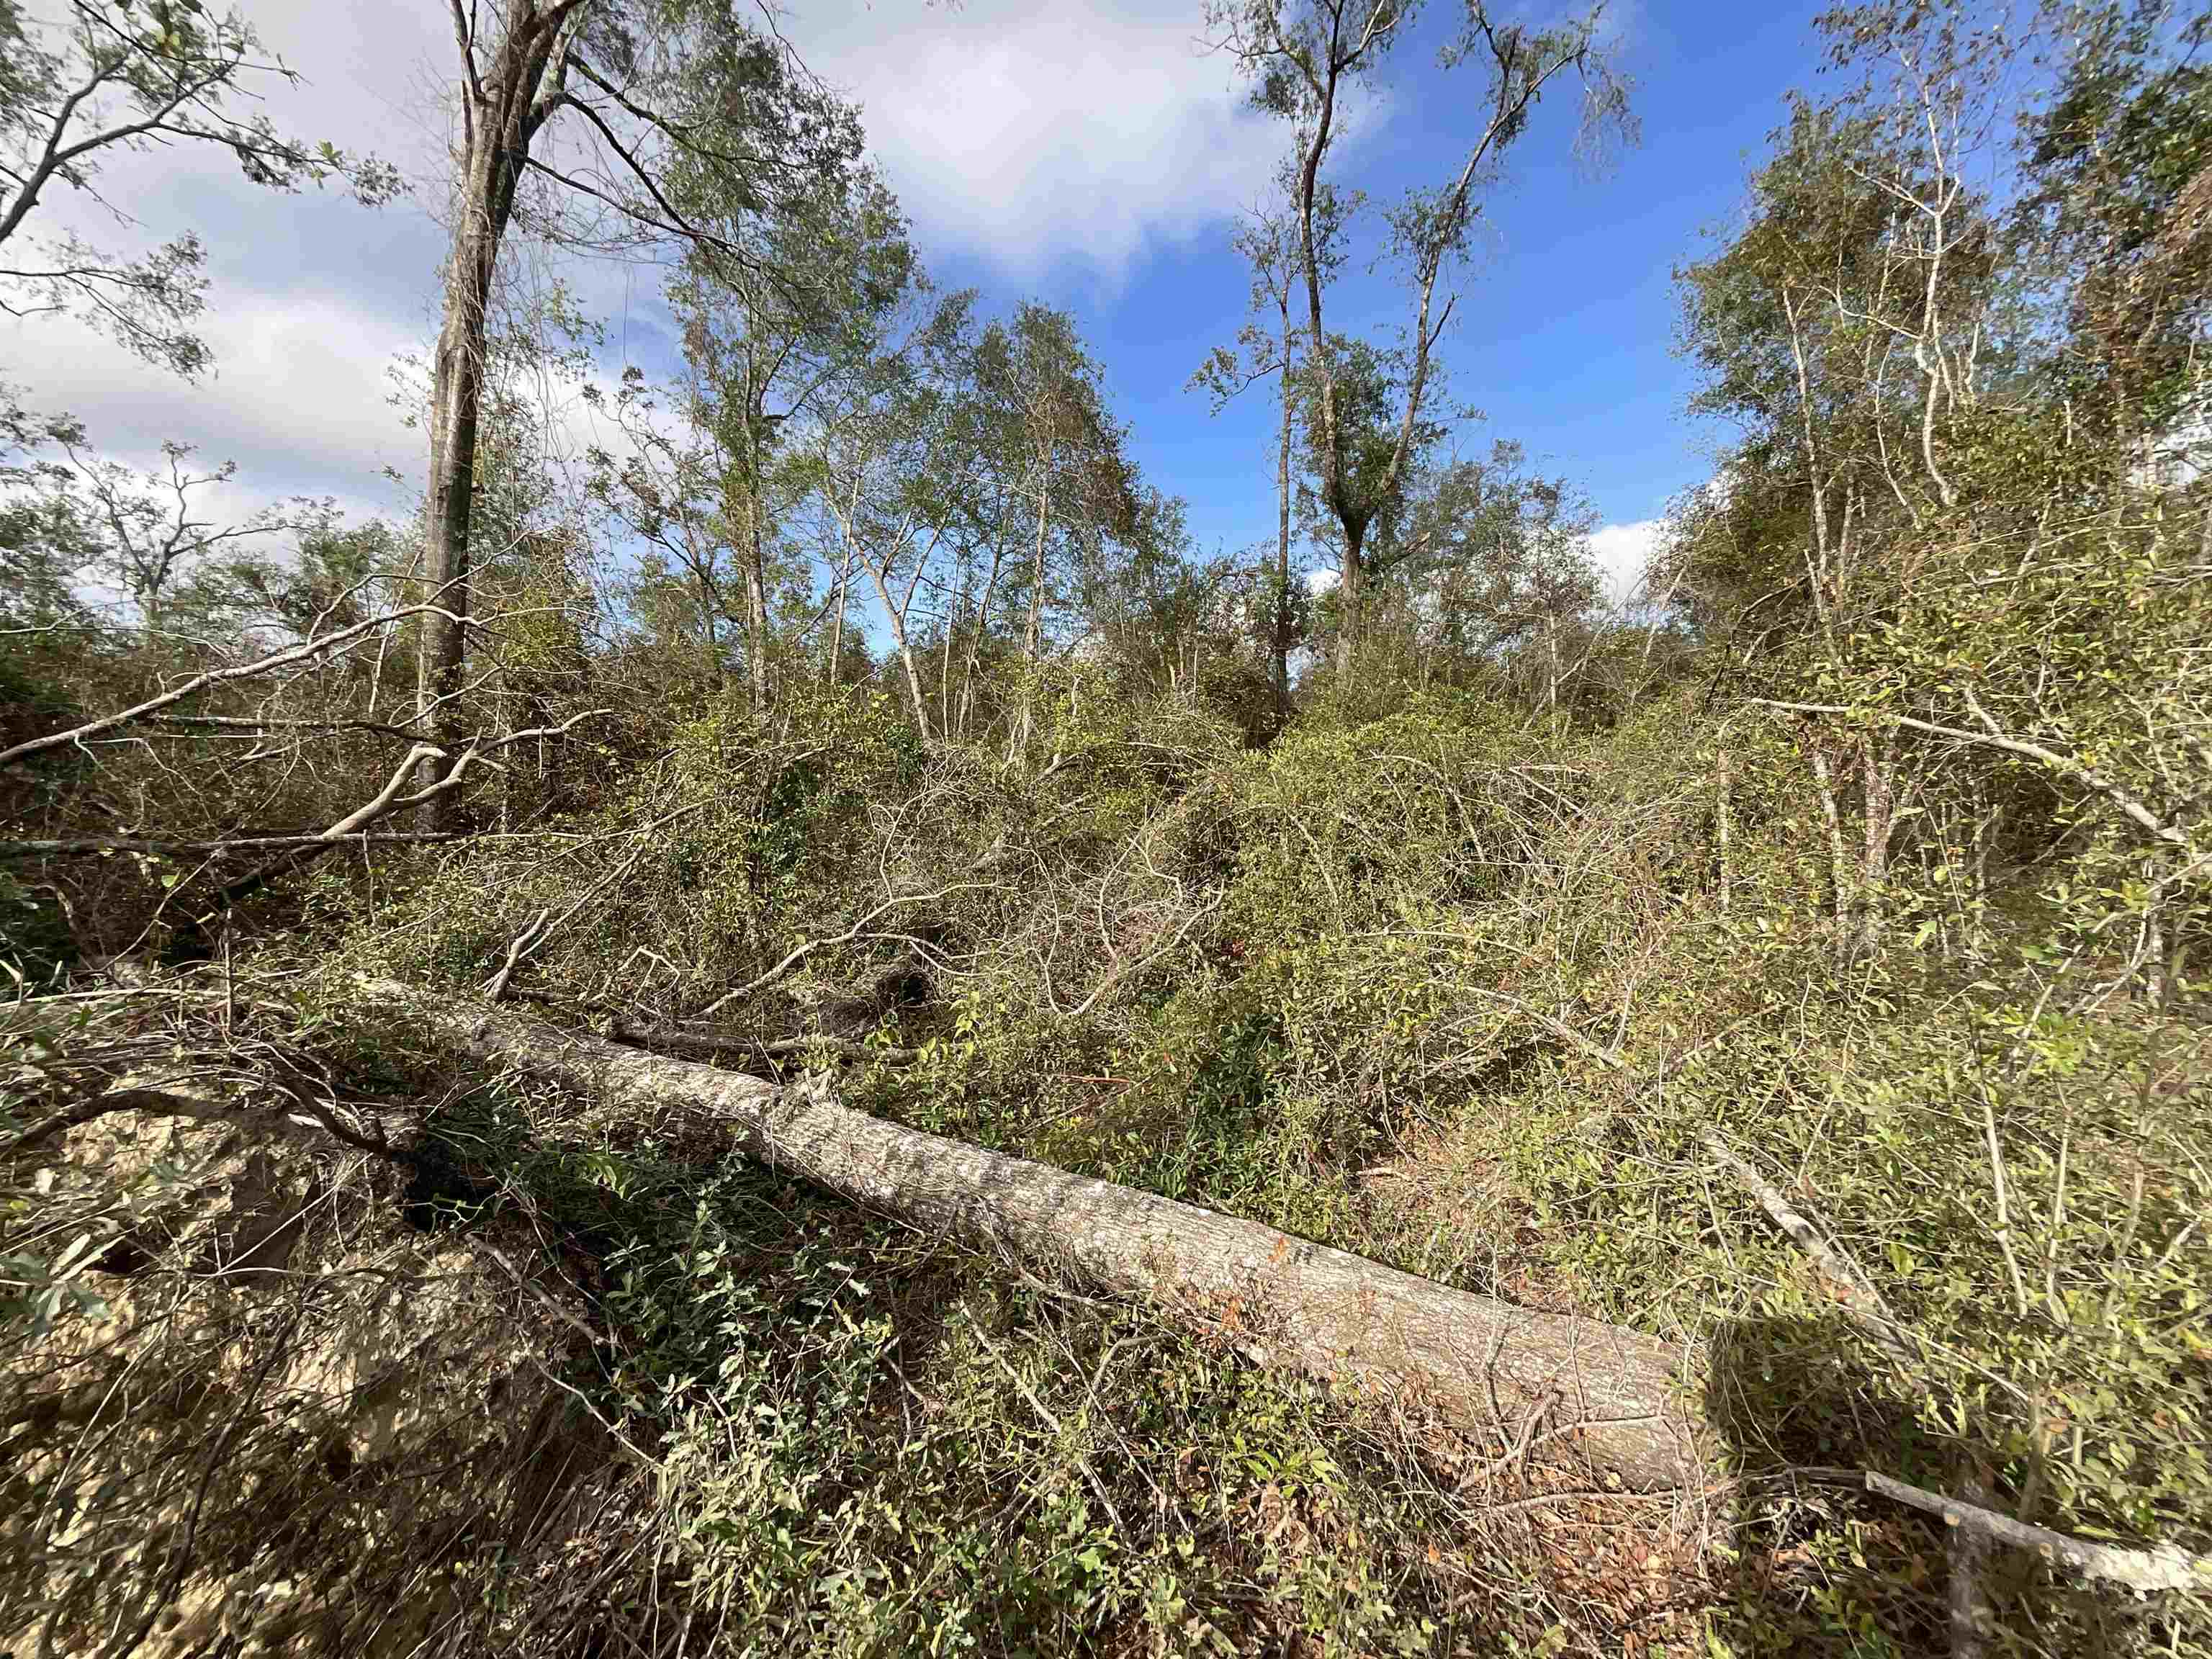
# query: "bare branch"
{"type": "Point", "coordinates": [2162, 1567]}
{"type": "Point", "coordinates": [285, 659]}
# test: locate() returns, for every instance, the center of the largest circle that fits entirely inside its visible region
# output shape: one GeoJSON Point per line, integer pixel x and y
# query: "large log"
{"type": "Point", "coordinates": [1281, 1299]}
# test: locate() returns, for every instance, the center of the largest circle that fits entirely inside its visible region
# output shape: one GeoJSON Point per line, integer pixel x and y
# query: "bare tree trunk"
{"type": "Point", "coordinates": [894, 612]}
{"type": "Point", "coordinates": [976, 640]}
{"type": "Point", "coordinates": [2154, 944]}
{"type": "Point", "coordinates": [945, 670]}
{"type": "Point", "coordinates": [1840, 869]}
{"type": "Point", "coordinates": [1279, 1299]}
{"type": "Point", "coordinates": [1282, 614]}
{"type": "Point", "coordinates": [456, 398]}
{"type": "Point", "coordinates": [755, 555]}
{"type": "Point", "coordinates": [905, 650]}
{"type": "Point", "coordinates": [1552, 671]}
{"type": "Point", "coordinates": [837, 627]}
{"type": "Point", "coordinates": [1348, 596]}
{"type": "Point", "coordinates": [1721, 814]}
{"type": "Point", "coordinates": [502, 112]}
{"type": "Point", "coordinates": [1030, 633]}
{"type": "Point", "coordinates": [1878, 791]}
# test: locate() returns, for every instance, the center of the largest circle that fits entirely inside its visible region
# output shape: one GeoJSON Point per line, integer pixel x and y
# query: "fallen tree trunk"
{"type": "Point", "coordinates": [1279, 1299]}
{"type": "Point", "coordinates": [709, 1045]}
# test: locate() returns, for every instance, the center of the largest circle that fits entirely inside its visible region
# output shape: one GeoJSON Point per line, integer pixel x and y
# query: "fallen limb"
{"type": "Point", "coordinates": [274, 1120]}
{"type": "Point", "coordinates": [1864, 1302]}
{"type": "Point", "coordinates": [199, 683]}
{"type": "Point", "coordinates": [704, 1045]}
{"type": "Point", "coordinates": [2160, 1567]}
{"type": "Point", "coordinates": [801, 952]}
{"type": "Point", "coordinates": [1279, 1299]}
{"type": "Point", "coordinates": [387, 801]}
{"type": "Point", "coordinates": [96, 845]}
{"type": "Point", "coordinates": [495, 986]}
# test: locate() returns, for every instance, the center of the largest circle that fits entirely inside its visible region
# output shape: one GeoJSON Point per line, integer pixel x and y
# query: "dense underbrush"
{"type": "Point", "coordinates": [1434, 987]}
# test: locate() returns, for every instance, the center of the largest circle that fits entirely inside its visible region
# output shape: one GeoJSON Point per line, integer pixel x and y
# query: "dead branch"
{"type": "Point", "coordinates": [169, 1102]}
{"type": "Point", "coordinates": [2160, 1567]}
{"type": "Point", "coordinates": [96, 845]}
{"type": "Point", "coordinates": [1866, 1306]}
{"type": "Point", "coordinates": [495, 987]}
{"type": "Point", "coordinates": [2088, 777]}
{"type": "Point", "coordinates": [701, 1045]}
{"type": "Point", "coordinates": [851, 934]}
{"type": "Point", "coordinates": [200, 683]}
{"type": "Point", "coordinates": [387, 801]}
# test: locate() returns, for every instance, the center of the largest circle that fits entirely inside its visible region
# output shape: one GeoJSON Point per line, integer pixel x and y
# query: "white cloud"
{"type": "Point", "coordinates": [297, 397]}
{"type": "Point", "coordinates": [1028, 134]}
{"type": "Point", "coordinates": [313, 299]}
{"type": "Point", "coordinates": [1623, 551]}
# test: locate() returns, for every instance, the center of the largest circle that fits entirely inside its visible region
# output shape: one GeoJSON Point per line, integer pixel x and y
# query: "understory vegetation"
{"type": "Point", "coordinates": [1800, 961]}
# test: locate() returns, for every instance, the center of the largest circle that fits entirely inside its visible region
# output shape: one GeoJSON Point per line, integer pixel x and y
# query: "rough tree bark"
{"type": "Point", "coordinates": [1282, 1300]}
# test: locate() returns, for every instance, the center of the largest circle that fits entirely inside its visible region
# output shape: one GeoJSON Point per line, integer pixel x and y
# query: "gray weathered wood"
{"type": "Point", "coordinates": [1281, 1299]}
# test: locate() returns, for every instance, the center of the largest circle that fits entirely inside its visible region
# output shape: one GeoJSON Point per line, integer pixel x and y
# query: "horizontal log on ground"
{"type": "Point", "coordinates": [714, 1045]}
{"type": "Point", "coordinates": [1281, 1299]}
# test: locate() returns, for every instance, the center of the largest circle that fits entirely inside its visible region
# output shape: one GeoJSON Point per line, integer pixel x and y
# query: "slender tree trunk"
{"type": "Point", "coordinates": [1721, 816]}
{"type": "Point", "coordinates": [903, 646]}
{"type": "Point", "coordinates": [1552, 671]}
{"type": "Point", "coordinates": [755, 552]}
{"type": "Point", "coordinates": [912, 676]}
{"type": "Point", "coordinates": [757, 624]}
{"type": "Point", "coordinates": [1839, 867]}
{"type": "Point", "coordinates": [1031, 633]}
{"type": "Point", "coordinates": [710, 606]}
{"type": "Point", "coordinates": [895, 613]}
{"type": "Point", "coordinates": [975, 640]}
{"type": "Point", "coordinates": [503, 112]}
{"type": "Point", "coordinates": [1348, 598]}
{"type": "Point", "coordinates": [837, 625]}
{"type": "Point", "coordinates": [1283, 613]}
{"type": "Point", "coordinates": [1878, 792]}
{"type": "Point", "coordinates": [945, 671]}
{"type": "Point", "coordinates": [456, 400]}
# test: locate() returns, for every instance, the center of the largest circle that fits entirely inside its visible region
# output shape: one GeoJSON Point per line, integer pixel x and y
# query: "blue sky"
{"type": "Point", "coordinates": [1088, 154]}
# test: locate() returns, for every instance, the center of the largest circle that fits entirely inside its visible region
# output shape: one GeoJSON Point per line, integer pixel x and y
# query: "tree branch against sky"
{"type": "Point", "coordinates": [1270, 242]}
{"type": "Point", "coordinates": [1303, 58]}
{"type": "Point", "coordinates": [79, 89]}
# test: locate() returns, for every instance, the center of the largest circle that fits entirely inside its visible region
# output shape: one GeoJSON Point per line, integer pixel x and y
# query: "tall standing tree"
{"type": "Point", "coordinates": [1050, 430]}
{"type": "Point", "coordinates": [892, 458]}
{"type": "Point", "coordinates": [636, 91]}
{"type": "Point", "coordinates": [769, 336]}
{"type": "Point", "coordinates": [1304, 57]}
{"type": "Point", "coordinates": [1845, 328]}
